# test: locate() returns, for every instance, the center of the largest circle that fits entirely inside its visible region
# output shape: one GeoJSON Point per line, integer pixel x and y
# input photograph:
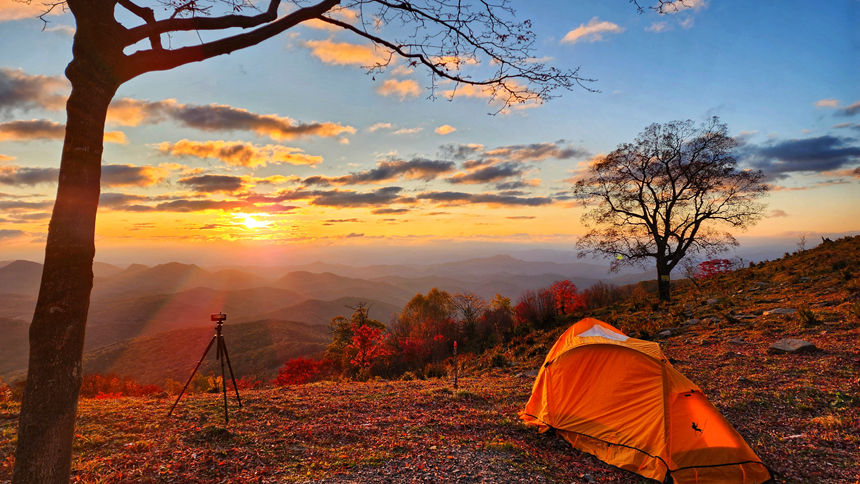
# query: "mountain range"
{"type": "Point", "coordinates": [135, 309]}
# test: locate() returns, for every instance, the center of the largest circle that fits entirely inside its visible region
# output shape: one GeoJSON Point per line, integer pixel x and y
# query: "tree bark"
{"type": "Point", "coordinates": [50, 401]}
{"type": "Point", "coordinates": [663, 282]}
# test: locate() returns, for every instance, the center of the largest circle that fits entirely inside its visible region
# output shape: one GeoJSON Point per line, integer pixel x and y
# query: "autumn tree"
{"type": "Point", "coordinates": [565, 297]}
{"type": "Point", "coordinates": [668, 194]}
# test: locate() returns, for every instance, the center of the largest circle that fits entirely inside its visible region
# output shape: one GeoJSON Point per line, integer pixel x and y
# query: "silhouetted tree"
{"type": "Point", "coordinates": [663, 197]}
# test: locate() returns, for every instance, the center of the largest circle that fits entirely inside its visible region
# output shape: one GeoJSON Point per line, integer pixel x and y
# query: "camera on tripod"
{"type": "Point", "coordinates": [222, 356]}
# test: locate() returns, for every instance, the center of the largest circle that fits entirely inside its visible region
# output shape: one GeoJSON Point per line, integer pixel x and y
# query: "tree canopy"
{"type": "Point", "coordinates": [669, 193]}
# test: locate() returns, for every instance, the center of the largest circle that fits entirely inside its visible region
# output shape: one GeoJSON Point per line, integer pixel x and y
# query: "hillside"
{"type": "Point", "coordinates": [799, 412]}
{"type": "Point", "coordinates": [257, 348]}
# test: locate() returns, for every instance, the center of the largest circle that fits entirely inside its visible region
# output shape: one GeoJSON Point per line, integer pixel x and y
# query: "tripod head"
{"type": "Point", "coordinates": [218, 318]}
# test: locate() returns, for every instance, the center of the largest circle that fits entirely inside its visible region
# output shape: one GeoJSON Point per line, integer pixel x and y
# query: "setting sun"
{"type": "Point", "coordinates": [252, 221]}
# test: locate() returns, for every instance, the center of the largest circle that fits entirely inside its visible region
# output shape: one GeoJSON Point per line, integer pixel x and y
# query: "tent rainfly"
{"type": "Point", "coordinates": [619, 399]}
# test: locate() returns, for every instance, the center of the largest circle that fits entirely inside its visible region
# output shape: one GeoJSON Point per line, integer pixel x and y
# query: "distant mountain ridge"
{"type": "Point", "coordinates": [140, 302]}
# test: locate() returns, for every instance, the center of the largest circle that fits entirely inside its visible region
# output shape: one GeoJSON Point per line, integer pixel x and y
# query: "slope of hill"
{"type": "Point", "coordinates": [318, 312]}
{"type": "Point", "coordinates": [329, 286]}
{"type": "Point", "coordinates": [189, 308]}
{"type": "Point", "coordinates": [20, 277]}
{"type": "Point", "coordinates": [256, 348]}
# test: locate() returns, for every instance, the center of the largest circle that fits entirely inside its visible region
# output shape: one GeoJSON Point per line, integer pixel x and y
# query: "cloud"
{"type": "Point", "coordinates": [212, 183]}
{"type": "Point", "coordinates": [115, 200]}
{"type": "Point", "coordinates": [400, 88]}
{"type": "Point", "coordinates": [489, 174]}
{"type": "Point", "coordinates": [348, 198]}
{"type": "Point", "coordinates": [18, 204]}
{"type": "Point", "coordinates": [23, 91]}
{"type": "Point", "coordinates": [824, 153]}
{"type": "Point", "coordinates": [45, 129]}
{"type": "Point", "coordinates": [536, 152]}
{"type": "Point", "coordinates": [453, 62]}
{"type": "Point", "coordinates": [6, 158]}
{"type": "Point", "coordinates": [115, 137]}
{"type": "Point", "coordinates": [345, 53]}
{"type": "Point", "coordinates": [408, 130]}
{"type": "Point", "coordinates": [378, 126]}
{"type": "Point", "coordinates": [130, 175]}
{"type": "Point", "coordinates": [445, 129]}
{"type": "Point", "coordinates": [850, 110]}
{"type": "Point", "coordinates": [491, 199]}
{"type": "Point", "coordinates": [658, 27]}
{"type": "Point", "coordinates": [238, 153]}
{"type": "Point", "coordinates": [678, 6]}
{"type": "Point", "coordinates": [593, 31]}
{"type": "Point", "coordinates": [10, 233]}
{"type": "Point", "coordinates": [463, 151]}
{"type": "Point", "coordinates": [32, 129]}
{"type": "Point", "coordinates": [341, 220]}
{"type": "Point", "coordinates": [521, 217]}
{"type": "Point", "coordinates": [777, 213]}
{"type": "Point", "coordinates": [218, 117]}
{"type": "Point", "coordinates": [24, 176]}
{"type": "Point", "coordinates": [16, 10]}
{"type": "Point", "coordinates": [826, 103]}
{"type": "Point", "coordinates": [390, 211]}
{"type": "Point", "coordinates": [338, 13]}
{"type": "Point", "coordinates": [414, 169]}
{"type": "Point", "coordinates": [846, 125]}
{"type": "Point", "coordinates": [196, 206]}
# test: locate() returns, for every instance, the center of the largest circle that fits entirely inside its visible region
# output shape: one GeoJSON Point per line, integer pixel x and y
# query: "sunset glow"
{"type": "Point", "coordinates": [314, 154]}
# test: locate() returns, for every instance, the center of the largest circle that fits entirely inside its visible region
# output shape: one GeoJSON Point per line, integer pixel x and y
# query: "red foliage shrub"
{"type": "Point", "coordinates": [107, 396]}
{"type": "Point", "coordinates": [299, 371]}
{"type": "Point", "coordinates": [248, 383]}
{"type": "Point", "coordinates": [565, 297]}
{"type": "Point", "coordinates": [368, 344]}
{"type": "Point", "coordinates": [109, 385]}
{"type": "Point", "coordinates": [535, 309]}
{"type": "Point", "coordinates": [713, 267]}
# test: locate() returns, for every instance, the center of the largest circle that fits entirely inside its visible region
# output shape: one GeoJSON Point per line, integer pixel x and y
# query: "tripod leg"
{"type": "Point", "coordinates": [223, 379]}
{"type": "Point", "coordinates": [192, 374]}
{"type": "Point", "coordinates": [232, 377]}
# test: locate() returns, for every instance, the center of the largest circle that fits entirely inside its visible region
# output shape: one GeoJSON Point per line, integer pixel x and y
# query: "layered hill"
{"type": "Point", "coordinates": [141, 301]}
{"type": "Point", "coordinates": [256, 348]}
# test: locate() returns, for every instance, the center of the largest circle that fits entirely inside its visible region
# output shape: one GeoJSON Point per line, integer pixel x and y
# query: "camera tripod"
{"type": "Point", "coordinates": [220, 354]}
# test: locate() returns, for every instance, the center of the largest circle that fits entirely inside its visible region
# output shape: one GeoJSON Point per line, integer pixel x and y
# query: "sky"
{"type": "Point", "coordinates": [291, 151]}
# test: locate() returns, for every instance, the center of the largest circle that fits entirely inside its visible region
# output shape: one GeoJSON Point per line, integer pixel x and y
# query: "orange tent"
{"type": "Point", "coordinates": [619, 399]}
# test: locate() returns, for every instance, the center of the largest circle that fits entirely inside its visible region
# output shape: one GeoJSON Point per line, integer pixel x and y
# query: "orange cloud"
{"type": "Point", "coordinates": [115, 137]}
{"type": "Point", "coordinates": [6, 158]}
{"type": "Point", "coordinates": [31, 129]}
{"type": "Point", "coordinates": [23, 91]}
{"type": "Point", "coordinates": [239, 153]}
{"type": "Point", "coordinates": [15, 10]}
{"type": "Point", "coordinates": [131, 175]}
{"type": "Point", "coordinates": [453, 62]}
{"type": "Point", "coordinates": [593, 31]}
{"type": "Point", "coordinates": [401, 88]}
{"type": "Point", "coordinates": [344, 53]}
{"type": "Point", "coordinates": [218, 117]}
{"type": "Point", "coordinates": [338, 13]}
{"type": "Point", "coordinates": [445, 129]}
{"type": "Point", "coordinates": [379, 126]}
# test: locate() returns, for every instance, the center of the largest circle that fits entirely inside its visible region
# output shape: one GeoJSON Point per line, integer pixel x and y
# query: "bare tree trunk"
{"type": "Point", "coordinates": [663, 282]}
{"type": "Point", "coordinates": [50, 402]}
